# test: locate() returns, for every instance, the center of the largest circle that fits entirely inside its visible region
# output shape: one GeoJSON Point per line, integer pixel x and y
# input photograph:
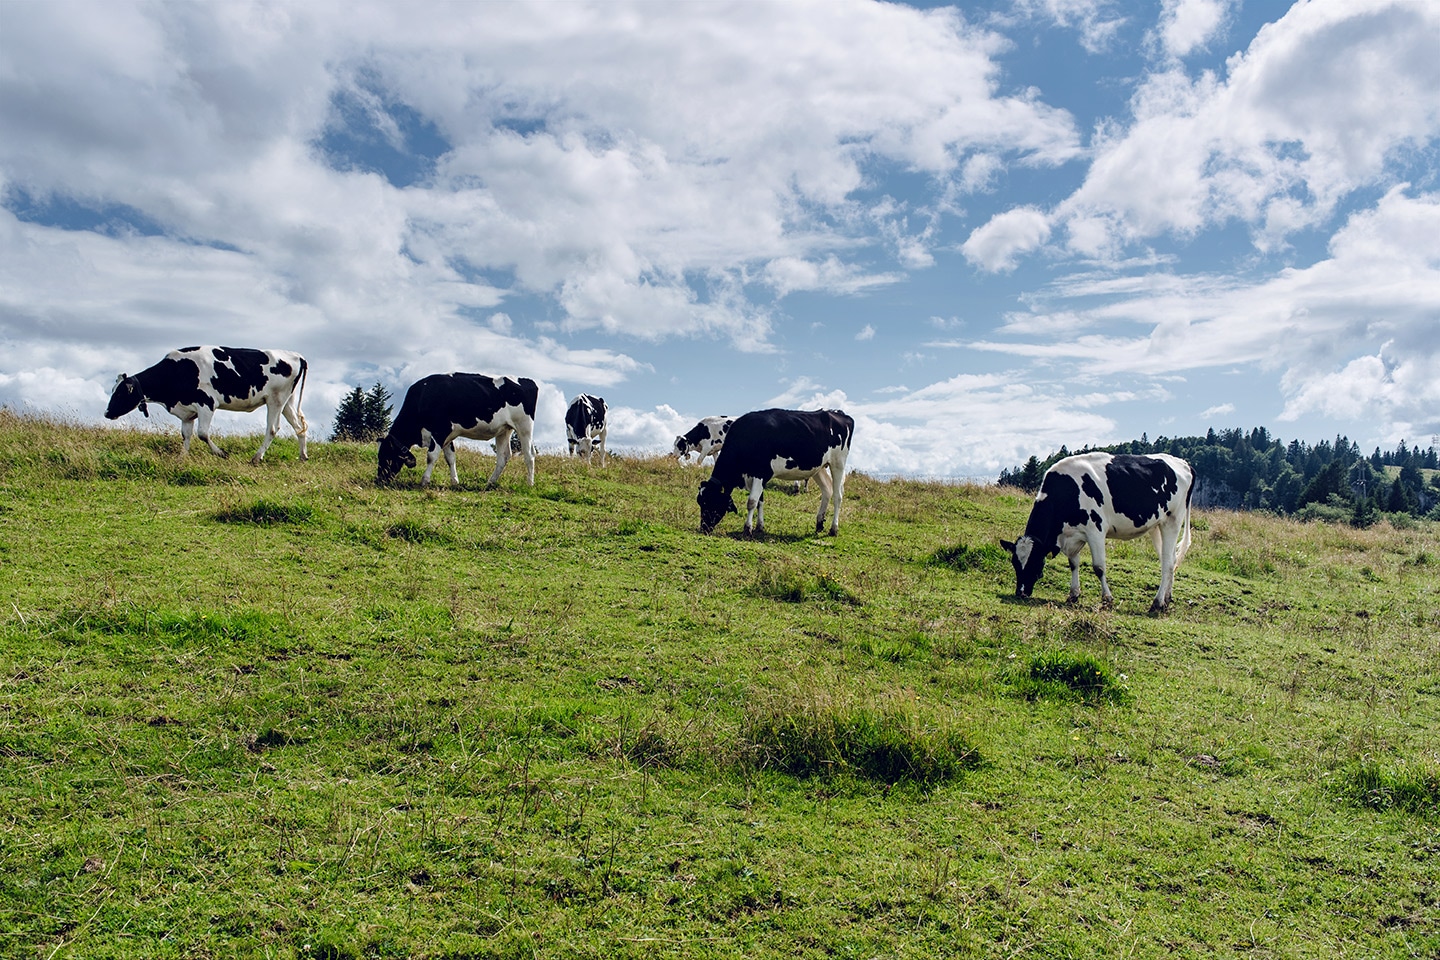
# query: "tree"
{"type": "Point", "coordinates": [361, 416]}
{"type": "Point", "coordinates": [1031, 475]}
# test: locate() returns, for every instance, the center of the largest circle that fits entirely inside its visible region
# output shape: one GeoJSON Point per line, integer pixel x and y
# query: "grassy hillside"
{"type": "Point", "coordinates": [279, 711]}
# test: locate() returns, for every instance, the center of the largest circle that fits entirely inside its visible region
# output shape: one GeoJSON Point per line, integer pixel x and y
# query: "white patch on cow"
{"type": "Point", "coordinates": [1023, 548]}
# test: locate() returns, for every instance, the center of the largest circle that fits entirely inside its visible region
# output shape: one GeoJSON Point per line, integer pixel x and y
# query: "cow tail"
{"type": "Point", "coordinates": [1184, 543]}
{"type": "Point", "coordinates": [304, 372]}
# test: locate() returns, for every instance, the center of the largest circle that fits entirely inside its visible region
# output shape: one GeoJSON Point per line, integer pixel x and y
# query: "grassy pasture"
{"type": "Point", "coordinates": [278, 711]}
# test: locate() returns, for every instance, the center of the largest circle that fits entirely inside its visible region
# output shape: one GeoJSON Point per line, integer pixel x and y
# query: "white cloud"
{"type": "Point", "coordinates": [969, 426]}
{"type": "Point", "coordinates": [1377, 295]}
{"type": "Point", "coordinates": [1095, 20]}
{"type": "Point", "coordinates": [867, 332]}
{"type": "Point", "coordinates": [634, 167]}
{"type": "Point", "coordinates": [997, 244]}
{"type": "Point", "coordinates": [1305, 116]}
{"type": "Point", "coordinates": [1188, 25]}
{"type": "Point", "coordinates": [1219, 410]}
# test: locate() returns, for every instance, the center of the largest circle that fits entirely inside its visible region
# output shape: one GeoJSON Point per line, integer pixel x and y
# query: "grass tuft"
{"type": "Point", "coordinates": [821, 738]}
{"type": "Point", "coordinates": [961, 557]}
{"type": "Point", "coordinates": [266, 513]}
{"type": "Point", "coordinates": [1368, 784]}
{"type": "Point", "coordinates": [1070, 677]}
{"type": "Point", "coordinates": [789, 584]}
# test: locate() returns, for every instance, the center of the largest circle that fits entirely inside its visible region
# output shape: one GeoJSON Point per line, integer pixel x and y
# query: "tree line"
{"type": "Point", "coordinates": [1240, 470]}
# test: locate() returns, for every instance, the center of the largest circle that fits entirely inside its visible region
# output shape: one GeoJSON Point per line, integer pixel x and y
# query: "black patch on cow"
{"type": "Point", "coordinates": [585, 411]}
{"type": "Point", "coordinates": [1091, 489]}
{"type": "Point", "coordinates": [1058, 505]}
{"type": "Point", "coordinates": [1141, 486]}
{"type": "Point", "coordinates": [282, 369]}
{"type": "Point", "coordinates": [188, 349]}
{"type": "Point", "coordinates": [239, 372]}
{"type": "Point", "coordinates": [170, 383]}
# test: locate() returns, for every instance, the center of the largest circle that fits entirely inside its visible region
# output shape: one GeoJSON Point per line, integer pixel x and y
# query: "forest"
{"type": "Point", "coordinates": [1252, 470]}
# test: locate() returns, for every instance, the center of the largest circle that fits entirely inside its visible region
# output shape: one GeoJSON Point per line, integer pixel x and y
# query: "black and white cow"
{"type": "Point", "coordinates": [1091, 496]}
{"type": "Point", "coordinates": [193, 382]}
{"type": "Point", "coordinates": [704, 439]}
{"type": "Point", "coordinates": [783, 445]}
{"type": "Point", "coordinates": [585, 426]}
{"type": "Point", "coordinates": [443, 406]}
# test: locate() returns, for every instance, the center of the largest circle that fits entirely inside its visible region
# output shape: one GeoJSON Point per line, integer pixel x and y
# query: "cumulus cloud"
{"type": "Point", "coordinates": [1378, 290]}
{"type": "Point", "coordinates": [374, 177]}
{"type": "Point", "coordinates": [867, 332]}
{"type": "Point", "coordinates": [997, 244]}
{"type": "Point", "coordinates": [1188, 25]}
{"type": "Point", "coordinates": [1307, 114]}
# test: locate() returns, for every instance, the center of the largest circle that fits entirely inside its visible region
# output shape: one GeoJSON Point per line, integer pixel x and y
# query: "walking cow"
{"type": "Point", "coordinates": [443, 406]}
{"type": "Point", "coordinates": [1091, 496]}
{"type": "Point", "coordinates": [783, 445]}
{"type": "Point", "coordinates": [193, 382]}
{"type": "Point", "coordinates": [586, 425]}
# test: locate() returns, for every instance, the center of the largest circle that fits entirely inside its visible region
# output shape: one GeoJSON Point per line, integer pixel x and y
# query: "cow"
{"type": "Point", "coordinates": [193, 382]}
{"type": "Point", "coordinates": [704, 439]}
{"type": "Point", "coordinates": [586, 426]}
{"type": "Point", "coordinates": [1091, 496]}
{"type": "Point", "coordinates": [443, 406]}
{"type": "Point", "coordinates": [783, 445]}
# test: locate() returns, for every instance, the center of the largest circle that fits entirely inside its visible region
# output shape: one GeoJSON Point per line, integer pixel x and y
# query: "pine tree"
{"type": "Point", "coordinates": [363, 417]}
{"type": "Point", "coordinates": [376, 409]}
{"type": "Point", "coordinates": [1031, 474]}
{"type": "Point", "coordinates": [350, 417]}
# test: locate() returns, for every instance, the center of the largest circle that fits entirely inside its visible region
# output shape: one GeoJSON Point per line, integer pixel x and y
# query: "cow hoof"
{"type": "Point", "coordinates": [257, 460]}
{"type": "Point", "coordinates": [1073, 599]}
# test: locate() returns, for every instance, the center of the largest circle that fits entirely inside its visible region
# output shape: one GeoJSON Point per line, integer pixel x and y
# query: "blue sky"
{"type": "Point", "coordinates": [984, 231]}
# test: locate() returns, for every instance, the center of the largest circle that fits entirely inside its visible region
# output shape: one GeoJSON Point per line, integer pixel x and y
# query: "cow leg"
{"type": "Point", "coordinates": [202, 430]}
{"type": "Point", "coordinates": [272, 427]}
{"type": "Point", "coordinates": [824, 481]}
{"type": "Point", "coordinates": [449, 450]}
{"type": "Point", "coordinates": [187, 430]}
{"type": "Point", "coordinates": [1165, 540]}
{"type": "Point", "coordinates": [526, 433]}
{"type": "Point", "coordinates": [603, 432]}
{"type": "Point", "coordinates": [433, 450]}
{"type": "Point", "coordinates": [1074, 559]}
{"type": "Point", "coordinates": [502, 454]}
{"type": "Point", "coordinates": [297, 423]}
{"type": "Point", "coordinates": [837, 473]}
{"type": "Point", "coordinates": [755, 503]}
{"type": "Point", "coordinates": [1097, 563]}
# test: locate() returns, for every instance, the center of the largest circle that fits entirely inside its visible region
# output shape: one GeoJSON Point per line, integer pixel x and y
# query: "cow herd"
{"type": "Point", "coordinates": [1083, 499]}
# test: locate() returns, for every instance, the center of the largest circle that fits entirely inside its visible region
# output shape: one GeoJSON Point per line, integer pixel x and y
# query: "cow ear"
{"type": "Point", "coordinates": [1008, 546]}
{"type": "Point", "coordinates": [145, 409]}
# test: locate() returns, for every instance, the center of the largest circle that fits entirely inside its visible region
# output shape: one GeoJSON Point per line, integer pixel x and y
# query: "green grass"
{"type": "Point", "coordinates": [278, 711]}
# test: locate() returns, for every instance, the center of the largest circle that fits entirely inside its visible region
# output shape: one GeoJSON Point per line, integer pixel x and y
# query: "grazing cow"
{"type": "Point", "coordinates": [443, 406]}
{"type": "Point", "coordinates": [704, 439]}
{"type": "Point", "coordinates": [1091, 496]}
{"type": "Point", "coordinates": [779, 444]}
{"type": "Point", "coordinates": [586, 426]}
{"type": "Point", "coordinates": [193, 382]}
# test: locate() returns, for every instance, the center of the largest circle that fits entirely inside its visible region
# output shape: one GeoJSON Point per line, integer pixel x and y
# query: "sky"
{"type": "Point", "coordinates": [984, 231]}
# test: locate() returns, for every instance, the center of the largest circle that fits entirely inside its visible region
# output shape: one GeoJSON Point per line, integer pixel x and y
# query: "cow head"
{"type": "Point", "coordinates": [1028, 559]}
{"type": "Point", "coordinates": [126, 396]}
{"type": "Point", "coordinates": [392, 457]}
{"type": "Point", "coordinates": [714, 503]}
{"type": "Point", "coordinates": [682, 446]}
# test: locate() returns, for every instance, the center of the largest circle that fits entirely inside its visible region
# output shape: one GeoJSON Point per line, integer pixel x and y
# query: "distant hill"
{"type": "Point", "coordinates": [1252, 470]}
